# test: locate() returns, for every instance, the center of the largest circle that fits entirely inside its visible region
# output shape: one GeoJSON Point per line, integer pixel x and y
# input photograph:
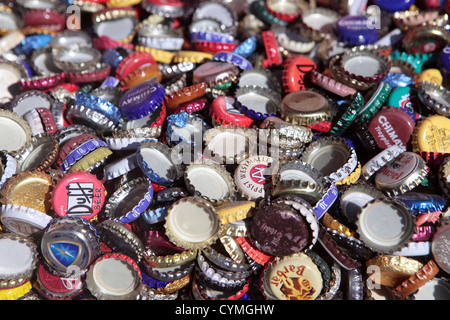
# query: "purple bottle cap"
{"type": "Point", "coordinates": [357, 30]}
{"type": "Point", "coordinates": [141, 100]}
{"type": "Point", "coordinates": [392, 6]}
{"type": "Point", "coordinates": [445, 58]}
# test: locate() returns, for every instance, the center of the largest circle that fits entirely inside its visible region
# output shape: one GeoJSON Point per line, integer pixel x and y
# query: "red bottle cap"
{"type": "Point", "coordinates": [271, 47]}
{"type": "Point", "coordinates": [44, 18]}
{"type": "Point", "coordinates": [133, 62]}
{"type": "Point", "coordinates": [391, 126]}
{"type": "Point", "coordinates": [223, 111]}
{"type": "Point", "coordinates": [78, 193]}
{"type": "Point", "coordinates": [54, 287]}
{"type": "Point", "coordinates": [294, 72]}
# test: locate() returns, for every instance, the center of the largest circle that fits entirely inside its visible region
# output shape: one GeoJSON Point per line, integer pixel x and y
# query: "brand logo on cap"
{"type": "Point", "coordinates": [258, 174]}
{"type": "Point", "coordinates": [79, 198]}
{"type": "Point", "coordinates": [65, 253]}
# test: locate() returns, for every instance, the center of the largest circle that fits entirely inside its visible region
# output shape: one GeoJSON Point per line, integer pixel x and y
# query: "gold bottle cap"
{"type": "Point", "coordinates": [200, 177]}
{"type": "Point", "coordinates": [402, 174]}
{"type": "Point", "coordinates": [391, 270]}
{"type": "Point", "coordinates": [192, 223]}
{"type": "Point", "coordinates": [15, 132]}
{"type": "Point", "coordinates": [236, 210]}
{"type": "Point", "coordinates": [29, 189]}
{"type": "Point", "coordinates": [306, 107]}
{"type": "Point", "coordinates": [352, 178]}
{"type": "Point", "coordinates": [329, 222]}
{"type": "Point", "coordinates": [172, 260]}
{"type": "Point", "coordinates": [191, 56]}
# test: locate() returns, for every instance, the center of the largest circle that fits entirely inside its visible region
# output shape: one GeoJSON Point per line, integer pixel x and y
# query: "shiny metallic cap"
{"type": "Point", "coordinates": [70, 244]}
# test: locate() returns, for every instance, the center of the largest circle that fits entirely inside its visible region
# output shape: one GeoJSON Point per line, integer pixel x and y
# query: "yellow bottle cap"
{"type": "Point", "coordinates": [92, 160]}
{"type": "Point", "coordinates": [16, 292]}
{"type": "Point", "coordinates": [161, 56]}
{"type": "Point", "coordinates": [122, 3]}
{"type": "Point", "coordinates": [236, 210]}
{"type": "Point", "coordinates": [191, 56]}
{"type": "Point", "coordinates": [432, 135]}
{"type": "Point", "coordinates": [430, 75]}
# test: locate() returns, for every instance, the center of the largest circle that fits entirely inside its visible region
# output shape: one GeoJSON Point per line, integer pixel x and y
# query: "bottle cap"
{"type": "Point", "coordinates": [295, 70]}
{"type": "Point", "coordinates": [120, 167]}
{"type": "Point", "coordinates": [443, 176]}
{"type": "Point", "coordinates": [430, 135]}
{"type": "Point", "coordinates": [402, 174]}
{"type": "Point", "coordinates": [154, 159]}
{"type": "Point", "coordinates": [70, 37]}
{"type": "Point", "coordinates": [393, 7]}
{"type": "Point", "coordinates": [330, 84]}
{"type": "Point", "coordinates": [227, 144]}
{"type": "Point", "coordinates": [291, 42]}
{"type": "Point", "coordinates": [376, 101]}
{"type": "Point", "coordinates": [320, 152]}
{"type": "Point", "coordinates": [130, 200]}
{"type": "Point", "coordinates": [318, 22]}
{"type": "Point", "coordinates": [18, 260]}
{"type": "Point", "coordinates": [29, 189]}
{"type": "Point", "coordinates": [185, 127]}
{"type": "Point", "coordinates": [99, 72]}
{"type": "Point", "coordinates": [192, 223]}
{"type": "Point", "coordinates": [141, 100]}
{"type": "Point", "coordinates": [356, 30]}
{"type": "Point", "coordinates": [257, 102]}
{"type": "Point", "coordinates": [120, 239]}
{"type": "Point", "coordinates": [16, 293]}
{"type": "Point", "coordinates": [55, 287]}
{"type": "Point", "coordinates": [439, 247]}
{"type": "Point", "coordinates": [70, 244]}
{"type": "Point", "coordinates": [42, 62]}
{"type": "Point", "coordinates": [365, 65]}
{"type": "Point", "coordinates": [98, 104]}
{"type": "Point", "coordinates": [172, 9]}
{"type": "Point", "coordinates": [425, 274]}
{"type": "Point", "coordinates": [232, 58]}
{"type": "Point", "coordinates": [11, 72]}
{"type": "Point", "coordinates": [114, 276]}
{"type": "Point", "coordinates": [13, 123]}
{"type": "Point", "coordinates": [226, 16]}
{"type": "Point", "coordinates": [385, 225]}
{"type": "Point", "coordinates": [223, 111]}
{"type": "Point", "coordinates": [425, 39]}
{"type": "Point", "coordinates": [405, 98]}
{"type": "Point", "coordinates": [305, 107]}
{"type": "Point", "coordinates": [391, 126]}
{"type": "Point", "coordinates": [381, 159]}
{"type": "Point", "coordinates": [421, 203]}
{"type": "Point", "coordinates": [199, 177]}
{"type": "Point", "coordinates": [349, 116]}
{"type": "Point", "coordinates": [354, 197]}
{"type": "Point", "coordinates": [39, 155]}
{"type": "Point", "coordinates": [393, 269]}
{"type": "Point", "coordinates": [259, 77]}
{"type": "Point", "coordinates": [22, 220]}
{"type": "Point", "coordinates": [80, 194]}
{"type": "Point", "coordinates": [253, 175]}
{"type": "Point", "coordinates": [434, 289]}
{"type": "Point", "coordinates": [295, 277]}
{"type": "Point", "coordinates": [30, 100]}
{"type": "Point", "coordinates": [338, 254]}
{"type": "Point", "coordinates": [75, 58]}
{"type": "Point", "coordinates": [117, 23]}
{"type": "Point", "coordinates": [214, 73]}
{"type": "Point", "coordinates": [184, 95]}
{"type": "Point", "coordinates": [435, 97]}
{"type": "Point", "coordinates": [285, 10]}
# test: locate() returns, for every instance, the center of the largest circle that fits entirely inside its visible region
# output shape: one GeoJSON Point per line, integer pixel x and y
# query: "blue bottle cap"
{"type": "Point", "coordinates": [356, 30]}
{"type": "Point", "coordinates": [445, 59]}
{"type": "Point", "coordinates": [392, 6]}
{"type": "Point", "coordinates": [421, 203]}
{"type": "Point", "coordinates": [100, 105]}
{"type": "Point", "coordinates": [141, 100]}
